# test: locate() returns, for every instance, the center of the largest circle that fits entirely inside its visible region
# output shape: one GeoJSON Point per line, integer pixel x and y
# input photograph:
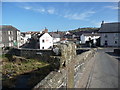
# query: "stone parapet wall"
{"type": "Point", "coordinates": [68, 53]}
{"type": "Point", "coordinates": [70, 63]}
{"type": "Point", "coordinates": [53, 80]}
{"type": "Point", "coordinates": [81, 61]}
{"type": "Point", "coordinates": [84, 57]}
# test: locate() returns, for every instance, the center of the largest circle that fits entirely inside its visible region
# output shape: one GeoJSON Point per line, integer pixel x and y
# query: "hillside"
{"type": "Point", "coordinates": [84, 30]}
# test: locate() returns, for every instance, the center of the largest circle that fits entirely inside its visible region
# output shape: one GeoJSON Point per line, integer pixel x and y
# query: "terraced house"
{"type": "Point", "coordinates": [10, 36]}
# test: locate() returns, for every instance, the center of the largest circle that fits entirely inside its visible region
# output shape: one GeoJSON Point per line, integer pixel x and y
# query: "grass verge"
{"type": "Point", "coordinates": [15, 66]}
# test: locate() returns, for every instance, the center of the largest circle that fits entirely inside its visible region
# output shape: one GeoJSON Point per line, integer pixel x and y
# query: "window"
{"type": "Point", "coordinates": [116, 35]}
{"type": "Point", "coordinates": [43, 41]}
{"type": "Point", "coordinates": [106, 43]}
{"type": "Point", "coordinates": [18, 33]}
{"type": "Point", "coordinates": [106, 36]}
{"type": "Point", "coordinates": [9, 32]}
{"type": "Point", "coordinates": [115, 42]}
{"type": "Point", "coordinates": [10, 38]}
{"type": "Point", "coordinates": [10, 44]}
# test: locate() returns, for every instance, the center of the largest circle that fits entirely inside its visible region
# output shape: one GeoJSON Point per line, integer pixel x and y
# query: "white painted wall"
{"type": "Point", "coordinates": [111, 38]}
{"type": "Point", "coordinates": [18, 39]}
{"type": "Point", "coordinates": [56, 40]}
{"type": "Point", "coordinates": [48, 41]}
{"type": "Point", "coordinates": [86, 38]}
{"type": "Point", "coordinates": [28, 35]}
{"type": "Point", "coordinates": [22, 40]}
{"type": "Point", "coordinates": [25, 39]}
{"type": "Point", "coordinates": [82, 37]}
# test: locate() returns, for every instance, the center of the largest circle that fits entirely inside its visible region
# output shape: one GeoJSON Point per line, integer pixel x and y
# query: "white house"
{"type": "Point", "coordinates": [27, 36]}
{"type": "Point", "coordinates": [87, 36]}
{"type": "Point", "coordinates": [45, 40]}
{"type": "Point", "coordinates": [24, 37]}
{"type": "Point", "coordinates": [110, 34]}
{"type": "Point", "coordinates": [56, 37]}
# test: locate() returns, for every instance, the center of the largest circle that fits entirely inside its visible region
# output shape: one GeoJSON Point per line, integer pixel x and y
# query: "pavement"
{"type": "Point", "coordinates": [102, 70]}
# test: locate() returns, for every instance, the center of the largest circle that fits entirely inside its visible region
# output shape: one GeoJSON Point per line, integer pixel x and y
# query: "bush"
{"type": "Point", "coordinates": [7, 48]}
{"type": "Point", "coordinates": [9, 56]}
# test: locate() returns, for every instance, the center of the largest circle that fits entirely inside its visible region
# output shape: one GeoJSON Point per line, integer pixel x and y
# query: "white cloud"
{"type": "Point", "coordinates": [112, 7]}
{"type": "Point", "coordinates": [67, 14]}
{"type": "Point", "coordinates": [40, 9]}
{"type": "Point", "coordinates": [79, 16]}
{"type": "Point", "coordinates": [27, 7]}
{"type": "Point", "coordinates": [51, 11]}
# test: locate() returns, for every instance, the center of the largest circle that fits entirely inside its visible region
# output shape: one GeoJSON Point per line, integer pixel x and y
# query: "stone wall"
{"type": "Point", "coordinates": [68, 53]}
{"type": "Point", "coordinates": [117, 51]}
{"type": "Point", "coordinates": [70, 63]}
{"type": "Point", "coordinates": [53, 80]}
{"type": "Point", "coordinates": [81, 61]}
{"type": "Point", "coordinates": [35, 53]}
{"type": "Point", "coordinates": [43, 55]}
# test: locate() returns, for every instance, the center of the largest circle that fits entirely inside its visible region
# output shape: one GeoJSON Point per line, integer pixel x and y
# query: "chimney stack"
{"type": "Point", "coordinates": [46, 30]}
{"type": "Point", "coordinates": [102, 22]}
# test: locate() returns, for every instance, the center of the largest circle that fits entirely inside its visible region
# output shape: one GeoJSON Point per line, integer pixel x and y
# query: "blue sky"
{"type": "Point", "coordinates": [35, 16]}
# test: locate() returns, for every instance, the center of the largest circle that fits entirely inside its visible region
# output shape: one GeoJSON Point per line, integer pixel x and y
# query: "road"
{"type": "Point", "coordinates": [104, 73]}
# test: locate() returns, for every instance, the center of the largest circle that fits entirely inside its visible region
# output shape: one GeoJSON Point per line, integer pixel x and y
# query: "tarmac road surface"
{"type": "Point", "coordinates": [104, 73]}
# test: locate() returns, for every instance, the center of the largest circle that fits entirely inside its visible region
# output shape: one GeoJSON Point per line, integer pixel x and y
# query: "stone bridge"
{"type": "Point", "coordinates": [70, 68]}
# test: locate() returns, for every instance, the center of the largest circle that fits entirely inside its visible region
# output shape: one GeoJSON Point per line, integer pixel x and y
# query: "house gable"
{"type": "Point", "coordinates": [46, 41]}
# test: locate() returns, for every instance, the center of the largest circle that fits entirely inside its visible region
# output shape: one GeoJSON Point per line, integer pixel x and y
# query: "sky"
{"type": "Point", "coordinates": [62, 16]}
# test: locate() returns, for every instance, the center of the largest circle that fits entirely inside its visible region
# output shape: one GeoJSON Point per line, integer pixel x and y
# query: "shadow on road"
{"type": "Point", "coordinates": [113, 54]}
{"type": "Point", "coordinates": [116, 55]}
{"type": "Point", "coordinates": [79, 51]}
{"type": "Point", "coordinates": [118, 59]}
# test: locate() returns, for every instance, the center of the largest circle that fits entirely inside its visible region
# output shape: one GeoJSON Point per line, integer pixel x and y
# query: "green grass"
{"type": "Point", "coordinates": [11, 69]}
{"type": "Point", "coordinates": [22, 67]}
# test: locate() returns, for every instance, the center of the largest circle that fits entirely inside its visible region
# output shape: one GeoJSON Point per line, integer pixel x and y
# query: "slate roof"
{"type": "Point", "coordinates": [55, 35]}
{"type": "Point", "coordinates": [110, 27]}
{"type": "Point", "coordinates": [90, 34]}
{"type": "Point", "coordinates": [40, 35]}
{"type": "Point", "coordinates": [6, 27]}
